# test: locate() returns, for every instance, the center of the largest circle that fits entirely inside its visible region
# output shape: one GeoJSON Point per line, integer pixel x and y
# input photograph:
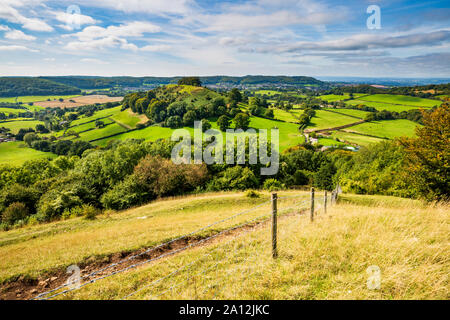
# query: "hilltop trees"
{"type": "Point", "coordinates": [190, 81]}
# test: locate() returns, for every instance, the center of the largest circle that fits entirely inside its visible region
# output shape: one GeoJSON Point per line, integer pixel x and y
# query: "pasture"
{"type": "Point", "coordinates": [16, 153]}
{"type": "Point", "coordinates": [325, 119]}
{"type": "Point", "coordinates": [355, 138]}
{"type": "Point", "coordinates": [387, 129]}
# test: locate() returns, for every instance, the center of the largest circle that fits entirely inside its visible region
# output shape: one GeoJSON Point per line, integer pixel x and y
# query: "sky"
{"type": "Point", "coordinates": [235, 37]}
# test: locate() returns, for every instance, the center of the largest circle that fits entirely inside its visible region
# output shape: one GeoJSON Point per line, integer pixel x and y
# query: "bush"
{"type": "Point", "coordinates": [19, 193]}
{"type": "Point", "coordinates": [90, 212]}
{"type": "Point", "coordinates": [273, 185]}
{"type": "Point", "coordinates": [252, 194]}
{"type": "Point", "coordinates": [125, 195]}
{"type": "Point", "coordinates": [15, 212]}
{"type": "Point", "coordinates": [234, 178]}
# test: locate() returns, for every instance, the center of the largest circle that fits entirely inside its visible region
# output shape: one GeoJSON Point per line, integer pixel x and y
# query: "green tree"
{"type": "Point", "coordinates": [30, 137]}
{"type": "Point", "coordinates": [242, 121]}
{"type": "Point", "coordinates": [235, 95]}
{"type": "Point", "coordinates": [428, 155]}
{"type": "Point", "coordinates": [224, 123]}
{"type": "Point", "coordinates": [190, 81]}
{"type": "Point", "coordinates": [189, 118]}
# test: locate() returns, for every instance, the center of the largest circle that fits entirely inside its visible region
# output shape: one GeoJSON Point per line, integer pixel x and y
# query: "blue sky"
{"type": "Point", "coordinates": [200, 37]}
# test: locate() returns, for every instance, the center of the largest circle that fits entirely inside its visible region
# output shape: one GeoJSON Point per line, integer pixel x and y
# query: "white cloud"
{"type": "Point", "coordinates": [71, 21]}
{"type": "Point", "coordinates": [4, 28]}
{"type": "Point", "coordinates": [95, 61]}
{"type": "Point", "coordinates": [18, 35]}
{"type": "Point", "coordinates": [100, 44]}
{"type": "Point", "coordinates": [156, 48]}
{"type": "Point", "coordinates": [156, 7]}
{"type": "Point", "coordinates": [9, 13]}
{"type": "Point", "coordinates": [16, 48]}
{"type": "Point", "coordinates": [95, 37]}
{"type": "Point", "coordinates": [133, 29]}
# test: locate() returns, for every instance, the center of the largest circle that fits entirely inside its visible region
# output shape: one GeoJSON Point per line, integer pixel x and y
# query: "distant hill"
{"type": "Point", "coordinates": [215, 81]}
{"type": "Point", "coordinates": [13, 87]}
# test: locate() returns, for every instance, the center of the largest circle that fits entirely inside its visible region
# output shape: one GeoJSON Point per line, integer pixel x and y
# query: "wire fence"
{"type": "Point", "coordinates": [195, 275]}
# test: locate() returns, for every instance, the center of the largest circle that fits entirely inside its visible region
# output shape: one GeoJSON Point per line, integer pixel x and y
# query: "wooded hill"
{"type": "Point", "coordinates": [13, 87]}
{"type": "Point", "coordinates": [108, 82]}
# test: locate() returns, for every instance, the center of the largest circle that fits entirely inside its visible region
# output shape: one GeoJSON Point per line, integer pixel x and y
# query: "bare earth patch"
{"type": "Point", "coordinates": [78, 101]}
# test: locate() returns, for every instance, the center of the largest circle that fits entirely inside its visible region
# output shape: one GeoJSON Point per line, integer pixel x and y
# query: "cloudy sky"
{"type": "Point", "coordinates": [235, 37]}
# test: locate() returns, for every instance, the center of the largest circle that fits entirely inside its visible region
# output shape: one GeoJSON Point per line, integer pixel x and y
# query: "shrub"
{"type": "Point", "coordinates": [252, 194]}
{"type": "Point", "coordinates": [90, 212]}
{"type": "Point", "coordinates": [15, 212]}
{"type": "Point", "coordinates": [234, 178]}
{"type": "Point", "coordinates": [18, 193]}
{"type": "Point", "coordinates": [126, 194]}
{"type": "Point", "coordinates": [273, 185]}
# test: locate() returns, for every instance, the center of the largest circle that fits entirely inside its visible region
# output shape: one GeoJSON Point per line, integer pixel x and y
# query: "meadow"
{"type": "Point", "coordinates": [355, 138]}
{"type": "Point", "coordinates": [28, 99]}
{"type": "Point", "coordinates": [327, 259]}
{"type": "Point", "coordinates": [351, 112]}
{"type": "Point", "coordinates": [16, 153]}
{"type": "Point", "coordinates": [387, 129]}
{"type": "Point", "coordinates": [325, 119]}
{"type": "Point", "coordinates": [397, 103]}
{"type": "Point", "coordinates": [18, 124]}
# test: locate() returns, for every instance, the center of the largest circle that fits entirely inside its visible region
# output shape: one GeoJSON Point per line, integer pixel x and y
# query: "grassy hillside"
{"type": "Point", "coordinates": [325, 119]}
{"type": "Point", "coordinates": [18, 124]}
{"type": "Point", "coordinates": [16, 153]}
{"type": "Point", "coordinates": [392, 102]}
{"type": "Point", "coordinates": [20, 86]}
{"type": "Point", "coordinates": [388, 129]}
{"type": "Point", "coordinates": [327, 259]}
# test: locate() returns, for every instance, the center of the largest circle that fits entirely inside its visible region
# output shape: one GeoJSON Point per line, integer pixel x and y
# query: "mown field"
{"type": "Point", "coordinates": [328, 259]}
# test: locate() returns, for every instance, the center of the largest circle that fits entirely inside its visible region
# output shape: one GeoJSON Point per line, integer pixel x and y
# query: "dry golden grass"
{"type": "Point", "coordinates": [327, 259]}
{"type": "Point", "coordinates": [36, 250]}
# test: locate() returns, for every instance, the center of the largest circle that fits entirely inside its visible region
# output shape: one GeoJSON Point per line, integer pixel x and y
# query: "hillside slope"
{"type": "Point", "coordinates": [326, 259]}
{"type": "Point", "coordinates": [13, 87]}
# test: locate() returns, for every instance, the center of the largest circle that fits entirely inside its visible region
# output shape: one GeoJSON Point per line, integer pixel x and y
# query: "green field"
{"type": "Point", "coordinates": [284, 115]}
{"type": "Point", "coordinates": [267, 92]}
{"type": "Point", "coordinates": [16, 153]}
{"type": "Point", "coordinates": [336, 97]}
{"type": "Point", "coordinates": [402, 100]}
{"type": "Point", "coordinates": [15, 126]}
{"type": "Point", "coordinates": [27, 99]}
{"type": "Point", "coordinates": [388, 129]}
{"type": "Point", "coordinates": [289, 134]}
{"type": "Point", "coordinates": [101, 132]}
{"type": "Point", "coordinates": [325, 120]}
{"type": "Point", "coordinates": [355, 138]}
{"type": "Point", "coordinates": [127, 118]}
{"type": "Point", "coordinates": [351, 112]}
{"type": "Point", "coordinates": [330, 142]}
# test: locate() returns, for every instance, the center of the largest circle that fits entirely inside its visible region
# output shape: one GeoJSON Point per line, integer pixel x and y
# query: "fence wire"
{"type": "Point", "coordinates": [299, 205]}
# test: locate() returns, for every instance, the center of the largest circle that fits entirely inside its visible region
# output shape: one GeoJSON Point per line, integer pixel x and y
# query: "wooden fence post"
{"type": "Point", "coordinates": [325, 202]}
{"type": "Point", "coordinates": [274, 226]}
{"type": "Point", "coordinates": [312, 204]}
